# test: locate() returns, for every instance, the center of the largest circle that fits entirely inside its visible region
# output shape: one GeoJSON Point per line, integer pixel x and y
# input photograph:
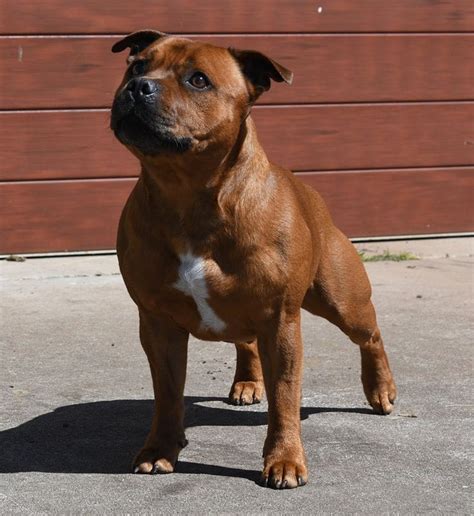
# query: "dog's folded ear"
{"type": "Point", "coordinates": [260, 69]}
{"type": "Point", "coordinates": [137, 41]}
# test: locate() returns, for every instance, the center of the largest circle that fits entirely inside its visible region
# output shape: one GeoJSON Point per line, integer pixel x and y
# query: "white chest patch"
{"type": "Point", "coordinates": [192, 282]}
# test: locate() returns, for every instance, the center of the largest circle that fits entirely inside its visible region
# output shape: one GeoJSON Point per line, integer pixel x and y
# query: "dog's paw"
{"type": "Point", "coordinates": [159, 459]}
{"type": "Point", "coordinates": [246, 393]}
{"type": "Point", "coordinates": [381, 395]}
{"type": "Point", "coordinates": [284, 474]}
{"type": "Point", "coordinates": [152, 466]}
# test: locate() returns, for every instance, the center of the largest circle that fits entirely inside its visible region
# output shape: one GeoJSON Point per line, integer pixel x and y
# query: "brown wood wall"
{"type": "Point", "coordinates": [379, 119]}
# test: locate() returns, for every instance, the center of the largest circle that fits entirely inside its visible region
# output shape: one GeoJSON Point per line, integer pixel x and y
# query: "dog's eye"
{"type": "Point", "coordinates": [199, 81]}
{"type": "Point", "coordinates": [138, 68]}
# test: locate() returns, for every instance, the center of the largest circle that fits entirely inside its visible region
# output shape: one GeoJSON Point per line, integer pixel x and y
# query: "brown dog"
{"type": "Point", "coordinates": [218, 242]}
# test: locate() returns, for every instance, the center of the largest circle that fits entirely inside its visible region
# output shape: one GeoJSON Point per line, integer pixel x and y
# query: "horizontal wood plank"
{"type": "Point", "coordinates": [91, 16]}
{"type": "Point", "coordinates": [398, 202]}
{"type": "Point", "coordinates": [83, 215]}
{"type": "Point", "coordinates": [61, 215]}
{"type": "Point", "coordinates": [82, 72]}
{"type": "Point", "coordinates": [368, 136]}
{"type": "Point", "coordinates": [79, 144]}
{"type": "Point", "coordinates": [61, 144]}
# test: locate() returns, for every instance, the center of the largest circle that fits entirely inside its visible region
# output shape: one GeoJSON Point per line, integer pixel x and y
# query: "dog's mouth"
{"type": "Point", "coordinates": [149, 134]}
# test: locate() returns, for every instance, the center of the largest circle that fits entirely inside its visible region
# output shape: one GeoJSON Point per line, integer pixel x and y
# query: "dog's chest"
{"type": "Point", "coordinates": [195, 275]}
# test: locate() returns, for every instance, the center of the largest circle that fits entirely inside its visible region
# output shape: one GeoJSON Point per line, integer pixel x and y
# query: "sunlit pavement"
{"type": "Point", "coordinates": [76, 402]}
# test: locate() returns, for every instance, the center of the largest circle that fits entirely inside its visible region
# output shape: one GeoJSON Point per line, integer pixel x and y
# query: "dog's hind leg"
{"type": "Point", "coordinates": [248, 386]}
{"type": "Point", "coordinates": [341, 294]}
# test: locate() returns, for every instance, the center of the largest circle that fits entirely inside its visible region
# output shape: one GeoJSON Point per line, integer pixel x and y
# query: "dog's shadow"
{"type": "Point", "coordinates": [101, 437]}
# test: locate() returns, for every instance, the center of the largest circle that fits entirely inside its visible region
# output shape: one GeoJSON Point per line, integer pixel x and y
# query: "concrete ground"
{"type": "Point", "coordinates": [75, 397]}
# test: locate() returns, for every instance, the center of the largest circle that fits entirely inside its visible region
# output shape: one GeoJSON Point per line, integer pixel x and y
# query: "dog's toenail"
{"type": "Point", "coordinates": [301, 482]}
{"type": "Point", "coordinates": [183, 443]}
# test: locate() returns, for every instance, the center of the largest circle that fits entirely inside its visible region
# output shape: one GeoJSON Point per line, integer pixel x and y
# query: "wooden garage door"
{"type": "Point", "coordinates": [379, 118]}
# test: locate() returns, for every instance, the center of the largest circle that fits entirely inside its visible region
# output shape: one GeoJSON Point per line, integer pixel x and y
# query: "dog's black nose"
{"type": "Point", "coordinates": [141, 87]}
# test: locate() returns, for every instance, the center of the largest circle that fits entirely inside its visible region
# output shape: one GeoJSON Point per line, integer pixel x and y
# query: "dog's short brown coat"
{"type": "Point", "coordinates": [218, 242]}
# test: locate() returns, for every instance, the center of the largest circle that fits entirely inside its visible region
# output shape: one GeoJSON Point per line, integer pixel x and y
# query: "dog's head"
{"type": "Point", "coordinates": [180, 95]}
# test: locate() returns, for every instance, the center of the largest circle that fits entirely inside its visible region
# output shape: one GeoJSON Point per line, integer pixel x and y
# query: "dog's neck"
{"type": "Point", "coordinates": [181, 181]}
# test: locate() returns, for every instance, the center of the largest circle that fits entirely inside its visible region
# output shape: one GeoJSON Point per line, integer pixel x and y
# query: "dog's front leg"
{"type": "Point", "coordinates": [281, 352]}
{"type": "Point", "coordinates": [247, 387]}
{"type": "Point", "coordinates": [165, 345]}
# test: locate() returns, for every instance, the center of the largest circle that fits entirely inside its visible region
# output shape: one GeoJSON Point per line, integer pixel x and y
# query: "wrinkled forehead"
{"type": "Point", "coordinates": [184, 54]}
